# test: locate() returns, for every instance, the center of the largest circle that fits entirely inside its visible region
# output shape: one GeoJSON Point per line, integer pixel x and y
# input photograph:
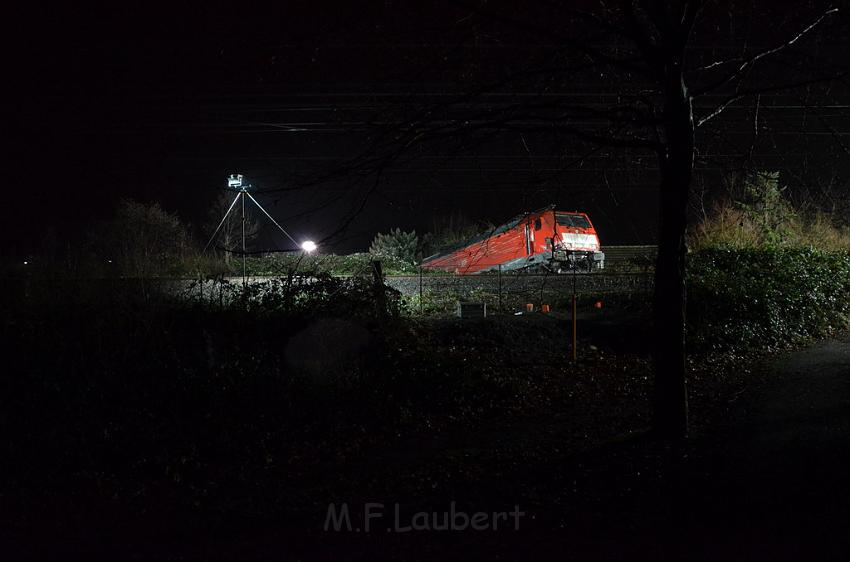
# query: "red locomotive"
{"type": "Point", "coordinates": [546, 240]}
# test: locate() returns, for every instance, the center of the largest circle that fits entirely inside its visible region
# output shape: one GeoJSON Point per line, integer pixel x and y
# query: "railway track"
{"type": "Point", "coordinates": [468, 285]}
{"type": "Point", "coordinates": [628, 269]}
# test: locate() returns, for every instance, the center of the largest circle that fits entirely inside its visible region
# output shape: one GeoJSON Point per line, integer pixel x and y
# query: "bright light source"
{"type": "Point", "coordinates": [234, 181]}
{"type": "Point", "coordinates": [27, 263]}
{"type": "Point", "coordinates": [308, 246]}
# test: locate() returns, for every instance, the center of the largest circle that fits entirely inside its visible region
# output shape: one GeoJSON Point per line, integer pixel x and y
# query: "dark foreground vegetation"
{"type": "Point", "coordinates": [149, 420]}
{"type": "Point", "coordinates": [139, 423]}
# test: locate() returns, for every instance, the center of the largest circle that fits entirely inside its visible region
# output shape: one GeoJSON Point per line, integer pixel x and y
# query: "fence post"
{"type": "Point", "coordinates": [575, 311]}
{"type": "Point", "coordinates": [575, 346]}
{"type": "Point", "coordinates": [421, 303]}
{"type": "Point", "coordinates": [500, 289]}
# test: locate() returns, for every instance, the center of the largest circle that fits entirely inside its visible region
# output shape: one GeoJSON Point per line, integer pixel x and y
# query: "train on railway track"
{"type": "Point", "coordinates": [545, 240]}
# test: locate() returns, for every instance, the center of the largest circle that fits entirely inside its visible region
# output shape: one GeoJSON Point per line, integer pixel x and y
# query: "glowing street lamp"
{"type": "Point", "coordinates": [308, 246]}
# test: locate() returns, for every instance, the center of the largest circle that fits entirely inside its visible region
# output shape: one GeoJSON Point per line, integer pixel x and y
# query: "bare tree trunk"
{"type": "Point", "coordinates": [676, 166]}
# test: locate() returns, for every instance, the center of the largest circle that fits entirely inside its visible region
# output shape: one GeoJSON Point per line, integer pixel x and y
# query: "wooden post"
{"type": "Point", "coordinates": [575, 346]}
{"type": "Point", "coordinates": [575, 301]}
{"type": "Point", "coordinates": [421, 303]}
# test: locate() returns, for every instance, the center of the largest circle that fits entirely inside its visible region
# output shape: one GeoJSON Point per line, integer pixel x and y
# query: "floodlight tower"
{"type": "Point", "coordinates": [235, 182]}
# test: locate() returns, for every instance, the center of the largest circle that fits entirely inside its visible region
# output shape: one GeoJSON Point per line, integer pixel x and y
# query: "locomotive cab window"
{"type": "Point", "coordinates": [537, 224]}
{"type": "Point", "coordinates": [576, 221]}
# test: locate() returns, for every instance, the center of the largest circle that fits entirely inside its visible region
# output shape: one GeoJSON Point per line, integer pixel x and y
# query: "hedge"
{"type": "Point", "coordinates": [765, 297]}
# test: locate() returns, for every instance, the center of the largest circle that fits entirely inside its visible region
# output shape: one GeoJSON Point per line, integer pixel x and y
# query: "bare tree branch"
{"type": "Point", "coordinates": [749, 63]}
{"type": "Point", "coordinates": [767, 89]}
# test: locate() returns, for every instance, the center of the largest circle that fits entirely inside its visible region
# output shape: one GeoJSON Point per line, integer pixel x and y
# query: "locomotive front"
{"type": "Point", "coordinates": [576, 244]}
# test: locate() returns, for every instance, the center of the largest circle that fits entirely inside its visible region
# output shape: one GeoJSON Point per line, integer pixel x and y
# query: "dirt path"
{"type": "Point", "coordinates": [780, 487]}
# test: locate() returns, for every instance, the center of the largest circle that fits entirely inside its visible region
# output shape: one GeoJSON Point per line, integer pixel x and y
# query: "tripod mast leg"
{"type": "Point", "coordinates": [260, 207]}
{"type": "Point", "coordinates": [224, 218]}
{"type": "Point", "coordinates": [244, 277]}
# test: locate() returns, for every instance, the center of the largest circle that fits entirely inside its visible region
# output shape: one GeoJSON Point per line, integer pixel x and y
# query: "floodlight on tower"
{"type": "Point", "coordinates": [234, 181]}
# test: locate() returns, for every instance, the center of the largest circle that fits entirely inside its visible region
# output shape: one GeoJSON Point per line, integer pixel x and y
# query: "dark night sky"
{"type": "Point", "coordinates": [160, 105]}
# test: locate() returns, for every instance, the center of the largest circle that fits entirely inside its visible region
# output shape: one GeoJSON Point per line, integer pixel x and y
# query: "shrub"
{"type": "Point", "coordinates": [761, 217]}
{"type": "Point", "coordinates": [321, 294]}
{"type": "Point", "coordinates": [285, 264]}
{"type": "Point", "coordinates": [144, 240]}
{"type": "Point", "coordinates": [396, 244]}
{"type": "Point", "coordinates": [765, 297]}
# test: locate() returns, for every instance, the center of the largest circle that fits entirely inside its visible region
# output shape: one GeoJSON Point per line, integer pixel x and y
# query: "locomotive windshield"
{"type": "Point", "coordinates": [575, 221]}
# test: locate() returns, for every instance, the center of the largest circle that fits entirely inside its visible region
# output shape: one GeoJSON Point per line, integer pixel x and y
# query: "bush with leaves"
{"type": "Point", "coordinates": [758, 215]}
{"type": "Point", "coordinates": [143, 240]}
{"type": "Point", "coordinates": [765, 297]}
{"type": "Point", "coordinates": [396, 244]}
{"type": "Point", "coordinates": [320, 294]}
{"type": "Point", "coordinates": [332, 264]}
